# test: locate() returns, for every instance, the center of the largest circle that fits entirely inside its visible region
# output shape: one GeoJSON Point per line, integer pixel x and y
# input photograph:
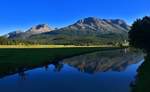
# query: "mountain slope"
{"type": "Point", "coordinates": [86, 31]}
{"type": "Point", "coordinates": [38, 29]}
{"type": "Point", "coordinates": [100, 25]}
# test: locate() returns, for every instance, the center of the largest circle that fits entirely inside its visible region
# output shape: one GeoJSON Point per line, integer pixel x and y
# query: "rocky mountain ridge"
{"type": "Point", "coordinates": [87, 31]}
{"type": "Point", "coordinates": [38, 29]}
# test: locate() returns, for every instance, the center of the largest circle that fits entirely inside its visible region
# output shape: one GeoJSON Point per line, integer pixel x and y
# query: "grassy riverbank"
{"type": "Point", "coordinates": [11, 60]}
{"type": "Point", "coordinates": [50, 46]}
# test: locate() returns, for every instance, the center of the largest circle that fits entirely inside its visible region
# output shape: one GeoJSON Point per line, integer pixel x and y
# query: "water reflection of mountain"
{"type": "Point", "coordinates": [114, 60]}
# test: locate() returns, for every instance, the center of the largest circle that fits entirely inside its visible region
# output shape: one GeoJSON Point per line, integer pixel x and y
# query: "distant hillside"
{"type": "Point", "coordinates": [38, 29]}
{"type": "Point", "coordinates": [86, 31]}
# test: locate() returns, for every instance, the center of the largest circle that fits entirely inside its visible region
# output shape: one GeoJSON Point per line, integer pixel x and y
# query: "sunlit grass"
{"type": "Point", "coordinates": [50, 46]}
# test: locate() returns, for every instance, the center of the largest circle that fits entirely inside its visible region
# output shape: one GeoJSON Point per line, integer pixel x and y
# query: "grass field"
{"type": "Point", "coordinates": [12, 60]}
{"type": "Point", "coordinates": [49, 46]}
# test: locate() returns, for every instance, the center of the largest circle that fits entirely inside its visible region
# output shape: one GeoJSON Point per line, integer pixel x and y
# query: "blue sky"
{"type": "Point", "coordinates": [22, 14]}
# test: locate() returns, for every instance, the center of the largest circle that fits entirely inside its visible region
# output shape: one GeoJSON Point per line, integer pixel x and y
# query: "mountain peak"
{"type": "Point", "coordinates": [89, 21]}
{"type": "Point", "coordinates": [101, 25]}
{"type": "Point", "coordinates": [40, 29]}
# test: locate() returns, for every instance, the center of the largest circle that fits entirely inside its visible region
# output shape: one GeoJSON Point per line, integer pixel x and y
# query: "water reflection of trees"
{"type": "Point", "coordinates": [22, 74]}
{"type": "Point", "coordinates": [139, 37]}
{"type": "Point", "coordinates": [142, 82]}
{"type": "Point", "coordinates": [58, 66]}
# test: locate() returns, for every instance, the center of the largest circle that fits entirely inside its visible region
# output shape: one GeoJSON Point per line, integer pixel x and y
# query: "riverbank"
{"type": "Point", "coordinates": [13, 60]}
{"type": "Point", "coordinates": [50, 46]}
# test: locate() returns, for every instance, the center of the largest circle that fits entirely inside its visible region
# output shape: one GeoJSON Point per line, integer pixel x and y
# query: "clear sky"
{"type": "Point", "coordinates": [22, 14]}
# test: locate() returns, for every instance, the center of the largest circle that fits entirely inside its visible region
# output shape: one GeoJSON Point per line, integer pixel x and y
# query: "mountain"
{"type": "Point", "coordinates": [13, 34]}
{"type": "Point", "coordinates": [103, 26]}
{"type": "Point", "coordinates": [38, 29]}
{"type": "Point", "coordinates": [86, 31]}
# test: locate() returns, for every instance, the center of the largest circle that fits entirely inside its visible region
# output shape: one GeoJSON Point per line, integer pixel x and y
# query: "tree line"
{"type": "Point", "coordinates": [6, 41]}
{"type": "Point", "coordinates": [139, 37]}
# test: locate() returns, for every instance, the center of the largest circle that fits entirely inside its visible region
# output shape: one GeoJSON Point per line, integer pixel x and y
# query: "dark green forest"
{"type": "Point", "coordinates": [67, 39]}
{"type": "Point", "coordinates": [6, 41]}
{"type": "Point", "coordinates": [139, 36]}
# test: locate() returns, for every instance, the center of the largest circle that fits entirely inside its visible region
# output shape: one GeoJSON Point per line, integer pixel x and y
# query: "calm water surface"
{"type": "Point", "coordinates": [105, 71]}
